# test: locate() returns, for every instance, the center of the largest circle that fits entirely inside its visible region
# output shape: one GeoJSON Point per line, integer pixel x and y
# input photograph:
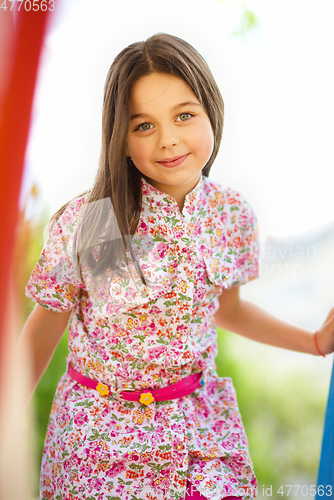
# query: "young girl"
{"type": "Point", "coordinates": [144, 265]}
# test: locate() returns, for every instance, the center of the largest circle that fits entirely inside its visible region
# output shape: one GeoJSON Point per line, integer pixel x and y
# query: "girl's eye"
{"type": "Point", "coordinates": [184, 117]}
{"type": "Point", "coordinates": [144, 126]}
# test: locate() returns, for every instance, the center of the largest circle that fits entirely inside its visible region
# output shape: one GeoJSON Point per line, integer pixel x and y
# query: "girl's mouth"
{"type": "Point", "coordinates": [173, 162]}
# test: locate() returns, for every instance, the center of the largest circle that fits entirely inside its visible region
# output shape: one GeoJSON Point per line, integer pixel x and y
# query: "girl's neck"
{"type": "Point", "coordinates": [177, 192]}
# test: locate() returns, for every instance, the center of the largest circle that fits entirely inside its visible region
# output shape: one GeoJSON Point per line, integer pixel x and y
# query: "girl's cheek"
{"type": "Point", "coordinates": [141, 150]}
{"type": "Point", "coordinates": [203, 138]}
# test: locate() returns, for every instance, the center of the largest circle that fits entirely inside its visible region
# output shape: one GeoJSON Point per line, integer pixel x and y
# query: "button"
{"type": "Point", "coordinates": [179, 446]}
{"type": "Point", "coordinates": [178, 335]}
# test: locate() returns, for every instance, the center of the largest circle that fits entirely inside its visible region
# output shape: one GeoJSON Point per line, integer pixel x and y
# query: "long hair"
{"type": "Point", "coordinates": [117, 178]}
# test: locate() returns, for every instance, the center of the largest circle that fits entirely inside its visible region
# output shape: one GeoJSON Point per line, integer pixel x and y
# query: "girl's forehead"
{"type": "Point", "coordinates": [155, 88]}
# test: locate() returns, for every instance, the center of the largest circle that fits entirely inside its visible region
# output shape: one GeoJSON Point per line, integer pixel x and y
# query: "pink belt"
{"type": "Point", "coordinates": [144, 396]}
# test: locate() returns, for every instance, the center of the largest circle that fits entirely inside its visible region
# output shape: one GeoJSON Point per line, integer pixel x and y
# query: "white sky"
{"type": "Point", "coordinates": [277, 85]}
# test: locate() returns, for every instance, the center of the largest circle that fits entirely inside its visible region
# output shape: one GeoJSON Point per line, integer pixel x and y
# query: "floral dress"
{"type": "Point", "coordinates": [132, 336]}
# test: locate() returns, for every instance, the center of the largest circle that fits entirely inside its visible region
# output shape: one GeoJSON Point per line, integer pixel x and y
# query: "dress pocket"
{"type": "Point", "coordinates": [221, 267]}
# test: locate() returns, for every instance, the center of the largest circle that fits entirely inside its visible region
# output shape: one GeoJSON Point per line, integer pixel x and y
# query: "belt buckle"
{"type": "Point", "coordinates": [118, 393]}
{"type": "Point", "coordinates": [145, 398]}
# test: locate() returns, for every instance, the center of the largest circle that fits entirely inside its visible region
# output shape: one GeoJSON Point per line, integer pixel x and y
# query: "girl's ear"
{"type": "Point", "coordinates": [127, 152]}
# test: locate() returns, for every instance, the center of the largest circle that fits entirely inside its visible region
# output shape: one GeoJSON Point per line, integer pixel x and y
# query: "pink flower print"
{"type": "Point", "coordinates": [144, 228]}
{"type": "Point", "coordinates": [103, 355]}
{"type": "Point", "coordinates": [176, 427]}
{"type": "Point", "coordinates": [60, 482]}
{"type": "Point", "coordinates": [120, 489]}
{"type": "Point", "coordinates": [182, 329]}
{"type": "Point", "coordinates": [231, 442]}
{"type": "Point", "coordinates": [113, 309]}
{"type": "Point", "coordinates": [218, 427]}
{"type": "Point", "coordinates": [141, 436]}
{"type": "Point", "coordinates": [161, 249]}
{"type": "Point", "coordinates": [201, 364]}
{"type": "Point", "coordinates": [243, 259]}
{"type": "Point", "coordinates": [211, 387]}
{"type": "Point", "coordinates": [146, 457]}
{"type": "Point", "coordinates": [178, 445]}
{"type": "Point", "coordinates": [98, 483]}
{"type": "Point", "coordinates": [86, 470]}
{"type": "Point", "coordinates": [156, 352]}
{"type": "Point", "coordinates": [94, 483]}
{"type": "Point", "coordinates": [152, 327]}
{"type": "Point", "coordinates": [154, 310]}
{"type": "Point", "coordinates": [115, 469]}
{"type": "Point", "coordinates": [80, 418]}
{"type": "Point", "coordinates": [55, 304]}
{"type": "Point", "coordinates": [63, 418]}
{"type": "Point", "coordinates": [134, 456]}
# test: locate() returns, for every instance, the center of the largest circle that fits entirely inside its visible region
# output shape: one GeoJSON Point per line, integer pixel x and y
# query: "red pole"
{"type": "Point", "coordinates": [15, 110]}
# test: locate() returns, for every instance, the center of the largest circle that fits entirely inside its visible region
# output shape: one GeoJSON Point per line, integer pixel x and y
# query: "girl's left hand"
{"type": "Point", "coordinates": [325, 335]}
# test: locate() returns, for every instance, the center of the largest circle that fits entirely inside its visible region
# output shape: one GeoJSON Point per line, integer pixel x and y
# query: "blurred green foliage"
{"type": "Point", "coordinates": [248, 20]}
{"type": "Point", "coordinates": [283, 418]}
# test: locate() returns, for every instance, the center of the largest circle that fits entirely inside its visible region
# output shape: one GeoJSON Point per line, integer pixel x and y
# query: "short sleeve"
{"type": "Point", "coordinates": [247, 244]}
{"type": "Point", "coordinates": [231, 249]}
{"type": "Point", "coordinates": [54, 282]}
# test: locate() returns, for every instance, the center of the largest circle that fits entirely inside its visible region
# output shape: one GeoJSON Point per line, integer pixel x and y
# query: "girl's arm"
{"type": "Point", "coordinates": [247, 319]}
{"type": "Point", "coordinates": [40, 337]}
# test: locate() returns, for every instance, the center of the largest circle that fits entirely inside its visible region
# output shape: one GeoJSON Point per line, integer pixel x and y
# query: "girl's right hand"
{"type": "Point", "coordinates": [325, 335]}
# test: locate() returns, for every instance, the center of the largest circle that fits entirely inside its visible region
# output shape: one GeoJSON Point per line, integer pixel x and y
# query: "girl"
{"type": "Point", "coordinates": [144, 265]}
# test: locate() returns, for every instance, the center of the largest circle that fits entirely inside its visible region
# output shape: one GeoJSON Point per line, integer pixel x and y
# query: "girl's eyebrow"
{"type": "Point", "coordinates": [181, 105]}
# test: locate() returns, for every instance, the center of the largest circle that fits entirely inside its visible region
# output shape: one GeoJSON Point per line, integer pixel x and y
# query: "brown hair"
{"type": "Point", "coordinates": [117, 177]}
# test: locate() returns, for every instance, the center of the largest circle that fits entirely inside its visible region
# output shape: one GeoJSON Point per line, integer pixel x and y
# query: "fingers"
{"type": "Point", "coordinates": [330, 315]}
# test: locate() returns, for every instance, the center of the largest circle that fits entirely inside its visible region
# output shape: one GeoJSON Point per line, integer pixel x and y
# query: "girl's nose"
{"type": "Point", "coordinates": [168, 138]}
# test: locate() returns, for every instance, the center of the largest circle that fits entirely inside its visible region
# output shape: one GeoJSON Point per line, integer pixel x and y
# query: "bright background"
{"type": "Point", "coordinates": [276, 78]}
{"type": "Point", "coordinates": [277, 83]}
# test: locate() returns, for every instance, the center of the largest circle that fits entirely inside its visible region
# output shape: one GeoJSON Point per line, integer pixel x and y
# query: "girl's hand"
{"type": "Point", "coordinates": [325, 335]}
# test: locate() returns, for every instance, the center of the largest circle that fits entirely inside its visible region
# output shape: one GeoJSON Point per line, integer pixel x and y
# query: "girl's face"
{"type": "Point", "coordinates": [170, 138]}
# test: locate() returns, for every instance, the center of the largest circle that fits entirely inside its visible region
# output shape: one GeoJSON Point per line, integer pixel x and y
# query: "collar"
{"type": "Point", "coordinates": [158, 199]}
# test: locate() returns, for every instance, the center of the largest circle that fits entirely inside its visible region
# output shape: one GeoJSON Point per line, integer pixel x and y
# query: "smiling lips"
{"type": "Point", "coordinates": [172, 162]}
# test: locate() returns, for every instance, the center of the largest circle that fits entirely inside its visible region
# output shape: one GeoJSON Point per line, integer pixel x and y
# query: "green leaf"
{"type": "Point", "coordinates": [169, 303]}
{"type": "Point", "coordinates": [136, 466]}
{"type": "Point", "coordinates": [165, 447]}
{"type": "Point", "coordinates": [183, 297]}
{"type": "Point", "coordinates": [105, 436]}
{"type": "Point", "coordinates": [131, 314]}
